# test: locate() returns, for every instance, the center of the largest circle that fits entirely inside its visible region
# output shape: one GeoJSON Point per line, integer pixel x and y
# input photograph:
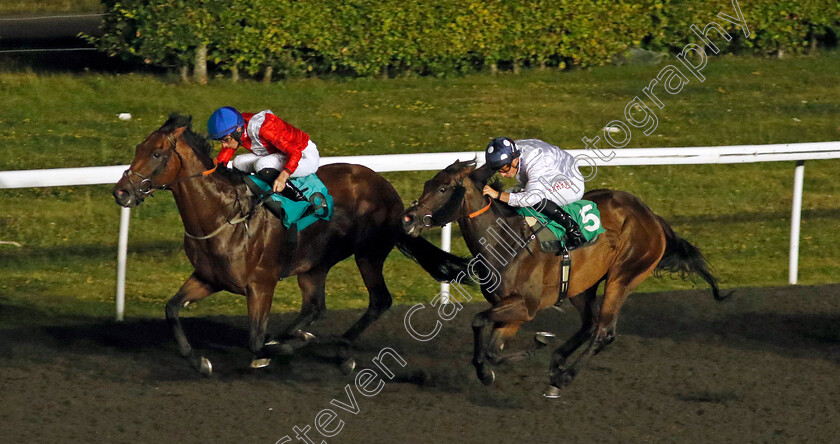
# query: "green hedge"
{"type": "Point", "coordinates": [777, 25]}
{"type": "Point", "coordinates": [439, 37]}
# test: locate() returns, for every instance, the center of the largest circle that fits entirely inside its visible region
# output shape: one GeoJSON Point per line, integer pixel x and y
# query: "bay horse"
{"type": "Point", "coordinates": [237, 246]}
{"type": "Point", "coordinates": [636, 244]}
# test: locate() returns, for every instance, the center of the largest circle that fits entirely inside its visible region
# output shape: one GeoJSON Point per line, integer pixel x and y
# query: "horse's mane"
{"type": "Point", "coordinates": [197, 142]}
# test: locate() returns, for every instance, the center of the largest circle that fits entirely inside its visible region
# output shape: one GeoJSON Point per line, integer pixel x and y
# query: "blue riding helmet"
{"type": "Point", "coordinates": [500, 152]}
{"type": "Point", "coordinates": [224, 121]}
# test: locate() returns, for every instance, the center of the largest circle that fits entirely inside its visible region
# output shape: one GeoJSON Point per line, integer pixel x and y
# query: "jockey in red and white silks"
{"type": "Point", "coordinates": [546, 171]}
{"type": "Point", "coordinates": [275, 144]}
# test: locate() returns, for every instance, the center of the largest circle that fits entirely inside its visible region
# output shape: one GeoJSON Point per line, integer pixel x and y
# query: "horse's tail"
{"type": "Point", "coordinates": [439, 264]}
{"type": "Point", "coordinates": [685, 259]}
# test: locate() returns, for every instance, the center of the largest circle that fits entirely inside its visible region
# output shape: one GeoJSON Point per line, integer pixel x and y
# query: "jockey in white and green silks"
{"type": "Point", "coordinates": [549, 178]}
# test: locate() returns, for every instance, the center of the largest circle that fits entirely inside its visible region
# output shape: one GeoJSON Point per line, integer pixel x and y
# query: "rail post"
{"type": "Point", "coordinates": [795, 219]}
{"type": "Point", "coordinates": [122, 254]}
{"type": "Point", "coordinates": [445, 245]}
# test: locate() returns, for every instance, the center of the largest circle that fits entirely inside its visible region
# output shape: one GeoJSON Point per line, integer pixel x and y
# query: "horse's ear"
{"type": "Point", "coordinates": [178, 131]}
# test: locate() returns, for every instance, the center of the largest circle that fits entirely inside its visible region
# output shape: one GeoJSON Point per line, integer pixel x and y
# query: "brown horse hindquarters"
{"type": "Point", "coordinates": [641, 246]}
{"type": "Point", "coordinates": [374, 207]}
{"type": "Point", "coordinates": [630, 250]}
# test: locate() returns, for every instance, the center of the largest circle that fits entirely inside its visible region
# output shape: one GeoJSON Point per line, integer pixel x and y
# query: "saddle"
{"type": "Point", "coordinates": [551, 236]}
{"type": "Point", "coordinates": [300, 214]}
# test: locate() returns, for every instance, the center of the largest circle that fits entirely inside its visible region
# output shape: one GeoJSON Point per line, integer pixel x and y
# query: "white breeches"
{"type": "Point", "coordinates": [251, 163]}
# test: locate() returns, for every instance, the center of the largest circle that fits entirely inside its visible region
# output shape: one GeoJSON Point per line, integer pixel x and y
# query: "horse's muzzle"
{"type": "Point", "coordinates": [411, 223]}
{"type": "Point", "coordinates": [126, 197]}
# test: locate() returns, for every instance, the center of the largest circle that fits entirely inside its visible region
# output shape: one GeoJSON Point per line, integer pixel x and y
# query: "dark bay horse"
{"type": "Point", "coordinates": [237, 247]}
{"type": "Point", "coordinates": [636, 243]}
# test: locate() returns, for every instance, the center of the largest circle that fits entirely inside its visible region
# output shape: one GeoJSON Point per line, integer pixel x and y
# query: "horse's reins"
{"type": "Point", "coordinates": [128, 173]}
{"type": "Point", "coordinates": [481, 211]}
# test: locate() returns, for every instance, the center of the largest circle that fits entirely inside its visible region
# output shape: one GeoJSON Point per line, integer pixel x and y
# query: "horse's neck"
{"type": "Point", "coordinates": [205, 202]}
{"type": "Point", "coordinates": [490, 233]}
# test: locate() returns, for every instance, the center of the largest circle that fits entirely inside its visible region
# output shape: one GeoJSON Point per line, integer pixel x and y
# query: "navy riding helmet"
{"type": "Point", "coordinates": [224, 121]}
{"type": "Point", "coordinates": [500, 152]}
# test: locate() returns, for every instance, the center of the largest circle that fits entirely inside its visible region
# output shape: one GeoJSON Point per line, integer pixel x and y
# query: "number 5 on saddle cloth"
{"type": "Point", "coordinates": [319, 203]}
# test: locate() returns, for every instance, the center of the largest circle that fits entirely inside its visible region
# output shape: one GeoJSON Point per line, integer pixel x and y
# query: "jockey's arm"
{"type": "Point", "coordinates": [502, 196]}
{"type": "Point", "coordinates": [225, 155]}
{"type": "Point", "coordinates": [271, 131]}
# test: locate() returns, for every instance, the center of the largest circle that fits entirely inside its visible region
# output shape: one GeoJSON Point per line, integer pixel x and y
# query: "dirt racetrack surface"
{"type": "Point", "coordinates": [762, 367]}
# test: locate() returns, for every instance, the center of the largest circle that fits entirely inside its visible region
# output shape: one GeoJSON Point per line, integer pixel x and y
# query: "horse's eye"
{"type": "Point", "coordinates": [156, 155]}
{"type": "Point", "coordinates": [442, 189]}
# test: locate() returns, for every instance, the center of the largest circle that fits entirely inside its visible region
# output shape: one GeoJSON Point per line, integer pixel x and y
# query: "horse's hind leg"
{"type": "Point", "coordinates": [615, 293]}
{"type": "Point", "coordinates": [194, 289]}
{"type": "Point", "coordinates": [588, 309]}
{"type": "Point", "coordinates": [313, 304]}
{"type": "Point", "coordinates": [379, 296]}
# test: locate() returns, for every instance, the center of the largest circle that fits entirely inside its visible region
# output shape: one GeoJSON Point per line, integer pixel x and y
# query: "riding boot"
{"type": "Point", "coordinates": [292, 192]}
{"type": "Point", "coordinates": [268, 175]}
{"type": "Point", "coordinates": [574, 238]}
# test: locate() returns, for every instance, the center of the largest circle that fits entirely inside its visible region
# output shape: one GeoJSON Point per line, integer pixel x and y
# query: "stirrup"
{"type": "Point", "coordinates": [318, 202]}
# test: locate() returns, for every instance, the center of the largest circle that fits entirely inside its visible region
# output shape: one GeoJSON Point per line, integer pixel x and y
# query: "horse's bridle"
{"type": "Point", "coordinates": [431, 218]}
{"type": "Point", "coordinates": [149, 188]}
{"type": "Point", "coordinates": [163, 163]}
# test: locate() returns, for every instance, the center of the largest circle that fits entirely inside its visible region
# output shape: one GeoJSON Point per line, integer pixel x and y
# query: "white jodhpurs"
{"type": "Point", "coordinates": [251, 163]}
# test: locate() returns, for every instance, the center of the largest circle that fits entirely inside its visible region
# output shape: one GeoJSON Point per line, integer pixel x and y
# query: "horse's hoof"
{"type": "Point", "coordinates": [488, 378]}
{"type": "Point", "coordinates": [348, 366]}
{"type": "Point", "coordinates": [206, 367]}
{"type": "Point", "coordinates": [552, 392]}
{"type": "Point", "coordinates": [305, 336]}
{"type": "Point", "coordinates": [542, 337]}
{"type": "Point", "coordinates": [260, 363]}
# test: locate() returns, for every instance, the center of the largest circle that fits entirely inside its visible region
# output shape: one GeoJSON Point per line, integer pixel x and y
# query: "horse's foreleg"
{"type": "Point", "coordinates": [497, 343]}
{"type": "Point", "coordinates": [485, 375]}
{"type": "Point", "coordinates": [194, 289]}
{"type": "Point", "coordinates": [259, 297]}
{"type": "Point", "coordinates": [507, 319]}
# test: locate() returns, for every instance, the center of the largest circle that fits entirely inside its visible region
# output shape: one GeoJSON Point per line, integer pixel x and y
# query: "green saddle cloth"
{"type": "Point", "coordinates": [584, 212]}
{"type": "Point", "coordinates": [294, 211]}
